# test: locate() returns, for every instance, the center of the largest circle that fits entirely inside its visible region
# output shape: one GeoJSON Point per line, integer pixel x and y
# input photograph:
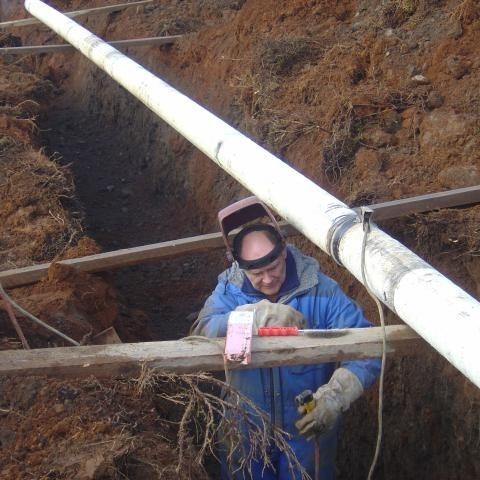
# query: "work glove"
{"type": "Point", "coordinates": [268, 314]}
{"type": "Point", "coordinates": [331, 399]}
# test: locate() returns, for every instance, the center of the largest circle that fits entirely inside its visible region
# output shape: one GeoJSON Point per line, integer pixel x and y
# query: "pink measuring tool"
{"type": "Point", "coordinates": [238, 344]}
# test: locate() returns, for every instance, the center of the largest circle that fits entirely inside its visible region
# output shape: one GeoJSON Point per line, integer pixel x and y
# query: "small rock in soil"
{"type": "Point", "coordinates": [444, 127]}
{"type": "Point", "coordinates": [419, 80]}
{"type": "Point", "coordinates": [67, 393]}
{"type": "Point", "coordinates": [459, 176]}
{"type": "Point", "coordinates": [412, 44]}
{"type": "Point", "coordinates": [367, 161]}
{"type": "Point", "coordinates": [58, 408]}
{"type": "Point", "coordinates": [414, 70]}
{"type": "Point", "coordinates": [93, 465]}
{"type": "Point", "coordinates": [7, 437]}
{"type": "Point", "coordinates": [434, 100]}
{"type": "Point", "coordinates": [457, 67]}
{"type": "Point", "coordinates": [25, 395]}
{"type": "Point", "coordinates": [456, 30]}
{"type": "Point", "coordinates": [376, 137]}
{"type": "Point", "coordinates": [391, 121]}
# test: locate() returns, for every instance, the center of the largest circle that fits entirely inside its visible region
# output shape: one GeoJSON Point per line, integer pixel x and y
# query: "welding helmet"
{"type": "Point", "coordinates": [241, 213]}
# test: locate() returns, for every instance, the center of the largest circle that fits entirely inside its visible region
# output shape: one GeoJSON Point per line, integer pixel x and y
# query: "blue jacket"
{"type": "Point", "coordinates": [324, 306]}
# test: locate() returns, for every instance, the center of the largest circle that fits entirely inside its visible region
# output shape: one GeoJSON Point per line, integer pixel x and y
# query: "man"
{"type": "Point", "coordinates": [286, 288]}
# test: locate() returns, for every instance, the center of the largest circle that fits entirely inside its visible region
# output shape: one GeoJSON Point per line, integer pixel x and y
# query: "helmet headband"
{"type": "Point", "coordinates": [270, 257]}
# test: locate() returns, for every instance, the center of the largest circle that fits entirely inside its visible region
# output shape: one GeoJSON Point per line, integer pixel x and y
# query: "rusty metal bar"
{"type": "Point", "coordinates": [424, 203]}
{"type": "Point", "coordinates": [11, 314]}
{"type": "Point", "coordinates": [24, 22]}
{"type": "Point", "coordinates": [134, 42]}
{"type": "Point", "coordinates": [35, 319]}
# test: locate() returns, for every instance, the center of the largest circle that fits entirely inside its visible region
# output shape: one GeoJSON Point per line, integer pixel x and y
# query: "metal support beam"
{"type": "Point", "coordinates": [24, 22]}
{"type": "Point", "coordinates": [425, 203]}
{"type": "Point", "coordinates": [211, 241]}
{"type": "Point", "coordinates": [197, 354]}
{"type": "Point", "coordinates": [441, 312]}
{"type": "Point", "coordinates": [134, 42]}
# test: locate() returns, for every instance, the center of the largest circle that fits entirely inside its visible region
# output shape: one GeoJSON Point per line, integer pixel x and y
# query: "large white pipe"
{"type": "Point", "coordinates": [443, 314]}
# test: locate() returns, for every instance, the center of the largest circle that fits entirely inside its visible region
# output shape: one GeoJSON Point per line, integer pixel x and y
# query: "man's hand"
{"type": "Point", "coordinates": [269, 314]}
{"type": "Point", "coordinates": [331, 400]}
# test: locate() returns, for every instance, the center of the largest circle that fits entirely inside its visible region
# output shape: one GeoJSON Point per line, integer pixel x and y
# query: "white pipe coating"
{"type": "Point", "coordinates": [443, 314]}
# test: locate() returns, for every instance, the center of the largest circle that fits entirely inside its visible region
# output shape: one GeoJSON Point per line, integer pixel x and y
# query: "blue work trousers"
{"type": "Point", "coordinates": [305, 453]}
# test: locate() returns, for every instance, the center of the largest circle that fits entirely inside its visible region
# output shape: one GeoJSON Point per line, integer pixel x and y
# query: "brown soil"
{"type": "Point", "coordinates": [33, 188]}
{"type": "Point", "coordinates": [86, 430]}
{"type": "Point", "coordinates": [373, 101]}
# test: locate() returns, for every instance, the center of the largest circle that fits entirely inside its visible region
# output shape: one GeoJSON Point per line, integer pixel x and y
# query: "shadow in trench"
{"type": "Point", "coordinates": [123, 208]}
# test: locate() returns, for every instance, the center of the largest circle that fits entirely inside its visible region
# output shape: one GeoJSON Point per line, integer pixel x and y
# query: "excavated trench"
{"type": "Point", "coordinates": [127, 203]}
{"type": "Point", "coordinates": [137, 182]}
{"type": "Point", "coordinates": [131, 185]}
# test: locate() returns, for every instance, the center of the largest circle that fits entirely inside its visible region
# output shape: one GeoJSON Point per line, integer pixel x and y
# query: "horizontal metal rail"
{"type": "Point", "coordinates": [24, 22]}
{"type": "Point", "coordinates": [211, 241]}
{"type": "Point", "coordinates": [425, 203]}
{"type": "Point", "coordinates": [134, 42]}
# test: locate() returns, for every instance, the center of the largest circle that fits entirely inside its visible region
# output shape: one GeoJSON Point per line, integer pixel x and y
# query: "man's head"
{"type": "Point", "coordinates": [260, 251]}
